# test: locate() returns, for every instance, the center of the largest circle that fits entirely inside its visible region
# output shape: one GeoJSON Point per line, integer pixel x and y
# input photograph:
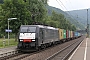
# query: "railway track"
{"type": "Point", "coordinates": [19, 57]}
{"type": "Point", "coordinates": [46, 54]}
{"type": "Point", "coordinates": [9, 55]}
{"type": "Point", "coordinates": [65, 52]}
{"type": "Point", "coordinates": [16, 55]}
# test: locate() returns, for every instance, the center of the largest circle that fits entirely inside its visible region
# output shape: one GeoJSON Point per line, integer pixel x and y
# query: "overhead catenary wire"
{"type": "Point", "coordinates": [65, 8]}
{"type": "Point", "coordinates": [75, 12]}
{"type": "Point", "coordinates": [63, 5]}
{"type": "Point", "coordinates": [59, 4]}
{"type": "Point", "coordinates": [69, 12]}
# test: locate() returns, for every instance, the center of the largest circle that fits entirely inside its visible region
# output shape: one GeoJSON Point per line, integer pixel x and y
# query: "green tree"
{"type": "Point", "coordinates": [17, 9]}
{"type": "Point", "coordinates": [37, 9]}
{"type": "Point", "coordinates": [26, 12]}
{"type": "Point", "coordinates": [61, 21]}
{"type": "Point", "coordinates": [43, 1]}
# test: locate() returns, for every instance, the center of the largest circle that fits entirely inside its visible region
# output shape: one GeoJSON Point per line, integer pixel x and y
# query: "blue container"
{"type": "Point", "coordinates": [79, 34]}
{"type": "Point", "coordinates": [76, 34]}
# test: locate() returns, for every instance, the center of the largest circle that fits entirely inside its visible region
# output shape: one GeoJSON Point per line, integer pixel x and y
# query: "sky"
{"type": "Point", "coordinates": [68, 5]}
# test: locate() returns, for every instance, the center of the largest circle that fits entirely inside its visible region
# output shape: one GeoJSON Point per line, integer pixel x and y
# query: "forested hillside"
{"type": "Point", "coordinates": [81, 16]}
{"type": "Point", "coordinates": [29, 12]}
{"type": "Point", "coordinates": [69, 17]}
{"type": "Point", "coordinates": [78, 22]}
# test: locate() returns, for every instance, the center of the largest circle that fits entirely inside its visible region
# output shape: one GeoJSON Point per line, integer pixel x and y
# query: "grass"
{"type": "Point", "coordinates": [4, 43]}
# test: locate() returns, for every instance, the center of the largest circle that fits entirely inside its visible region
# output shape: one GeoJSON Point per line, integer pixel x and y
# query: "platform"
{"type": "Point", "coordinates": [82, 52]}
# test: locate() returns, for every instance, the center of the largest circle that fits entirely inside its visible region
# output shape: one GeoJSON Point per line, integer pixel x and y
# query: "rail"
{"type": "Point", "coordinates": [66, 48]}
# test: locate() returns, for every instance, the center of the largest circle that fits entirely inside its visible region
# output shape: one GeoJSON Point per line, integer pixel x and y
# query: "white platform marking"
{"type": "Point", "coordinates": [85, 50]}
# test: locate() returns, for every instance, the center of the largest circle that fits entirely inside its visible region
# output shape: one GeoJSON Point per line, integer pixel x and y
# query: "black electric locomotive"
{"type": "Point", "coordinates": [34, 37]}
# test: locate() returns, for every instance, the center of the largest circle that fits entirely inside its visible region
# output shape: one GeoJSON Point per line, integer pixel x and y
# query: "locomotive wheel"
{"type": "Point", "coordinates": [37, 48]}
{"type": "Point", "coordinates": [43, 46]}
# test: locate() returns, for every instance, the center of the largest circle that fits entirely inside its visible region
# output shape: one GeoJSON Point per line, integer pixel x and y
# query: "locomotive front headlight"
{"type": "Point", "coordinates": [21, 40]}
{"type": "Point", "coordinates": [33, 40]}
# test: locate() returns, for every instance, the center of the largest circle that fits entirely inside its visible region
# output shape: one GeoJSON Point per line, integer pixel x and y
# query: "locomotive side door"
{"type": "Point", "coordinates": [41, 35]}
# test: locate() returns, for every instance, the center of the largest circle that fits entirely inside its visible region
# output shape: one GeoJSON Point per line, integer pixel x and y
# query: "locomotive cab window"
{"type": "Point", "coordinates": [32, 29]}
{"type": "Point", "coordinates": [28, 29]}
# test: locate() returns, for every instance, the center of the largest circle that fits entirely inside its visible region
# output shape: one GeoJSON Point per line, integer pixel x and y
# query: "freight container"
{"type": "Point", "coordinates": [60, 34]}
{"type": "Point", "coordinates": [79, 34]}
{"type": "Point", "coordinates": [76, 34]}
{"type": "Point", "coordinates": [71, 34]}
{"type": "Point", "coordinates": [64, 34]}
{"type": "Point", "coordinates": [67, 34]}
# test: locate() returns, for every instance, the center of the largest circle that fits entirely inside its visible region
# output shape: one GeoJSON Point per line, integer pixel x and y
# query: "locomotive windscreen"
{"type": "Point", "coordinates": [28, 29]}
{"type": "Point", "coordinates": [27, 32]}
